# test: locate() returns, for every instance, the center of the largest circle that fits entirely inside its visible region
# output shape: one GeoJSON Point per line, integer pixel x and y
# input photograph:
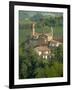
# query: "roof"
{"type": "Point", "coordinates": [55, 42]}
{"type": "Point", "coordinates": [42, 48]}
{"type": "Point", "coordinates": [43, 35]}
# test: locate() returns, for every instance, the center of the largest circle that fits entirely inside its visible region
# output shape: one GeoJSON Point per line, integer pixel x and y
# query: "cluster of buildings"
{"type": "Point", "coordinates": [44, 42]}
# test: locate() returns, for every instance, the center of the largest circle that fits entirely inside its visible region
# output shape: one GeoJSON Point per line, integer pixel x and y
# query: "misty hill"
{"type": "Point", "coordinates": [30, 14]}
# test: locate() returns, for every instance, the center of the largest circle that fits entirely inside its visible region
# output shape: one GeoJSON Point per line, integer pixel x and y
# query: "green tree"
{"type": "Point", "coordinates": [39, 72]}
{"type": "Point", "coordinates": [58, 53]}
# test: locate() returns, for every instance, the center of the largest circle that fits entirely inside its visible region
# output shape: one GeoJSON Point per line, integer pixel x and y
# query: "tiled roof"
{"type": "Point", "coordinates": [42, 48]}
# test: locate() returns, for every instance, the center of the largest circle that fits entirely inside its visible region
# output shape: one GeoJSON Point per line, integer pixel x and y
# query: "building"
{"type": "Point", "coordinates": [43, 42]}
{"type": "Point", "coordinates": [36, 35]}
{"type": "Point", "coordinates": [54, 43]}
{"type": "Point", "coordinates": [43, 51]}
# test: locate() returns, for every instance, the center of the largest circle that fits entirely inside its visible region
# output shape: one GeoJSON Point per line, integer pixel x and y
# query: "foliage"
{"type": "Point", "coordinates": [58, 52]}
{"type": "Point", "coordinates": [32, 66]}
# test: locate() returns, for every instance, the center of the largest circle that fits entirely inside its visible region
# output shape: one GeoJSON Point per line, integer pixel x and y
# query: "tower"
{"type": "Point", "coordinates": [52, 31]}
{"type": "Point", "coordinates": [33, 26]}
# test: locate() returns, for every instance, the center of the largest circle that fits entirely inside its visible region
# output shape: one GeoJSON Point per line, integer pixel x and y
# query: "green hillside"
{"type": "Point", "coordinates": [31, 65]}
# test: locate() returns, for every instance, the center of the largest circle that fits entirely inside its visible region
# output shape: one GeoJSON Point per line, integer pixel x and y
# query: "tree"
{"type": "Point", "coordinates": [58, 53]}
{"type": "Point", "coordinates": [23, 71]}
{"type": "Point", "coordinates": [37, 17]}
{"type": "Point", "coordinates": [39, 72]}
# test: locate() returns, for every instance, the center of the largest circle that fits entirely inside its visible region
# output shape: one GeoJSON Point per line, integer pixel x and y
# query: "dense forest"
{"type": "Point", "coordinates": [33, 66]}
{"type": "Point", "coordinates": [30, 64]}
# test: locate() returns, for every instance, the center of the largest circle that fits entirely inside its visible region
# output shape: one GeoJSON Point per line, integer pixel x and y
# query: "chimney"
{"type": "Point", "coordinates": [33, 26]}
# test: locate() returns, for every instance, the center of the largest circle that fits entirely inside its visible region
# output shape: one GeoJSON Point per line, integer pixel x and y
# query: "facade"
{"type": "Point", "coordinates": [43, 51]}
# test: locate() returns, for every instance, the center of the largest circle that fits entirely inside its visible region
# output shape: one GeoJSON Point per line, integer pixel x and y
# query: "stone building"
{"type": "Point", "coordinates": [43, 42]}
